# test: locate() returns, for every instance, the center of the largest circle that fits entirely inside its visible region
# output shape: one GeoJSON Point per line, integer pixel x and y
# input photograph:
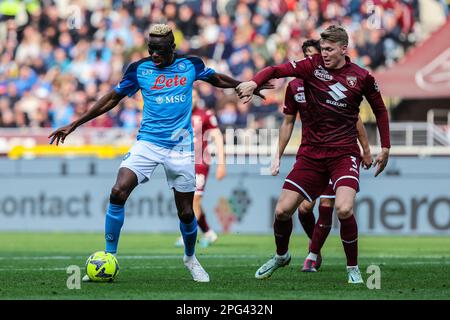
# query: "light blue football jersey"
{"type": "Point", "coordinates": [167, 94]}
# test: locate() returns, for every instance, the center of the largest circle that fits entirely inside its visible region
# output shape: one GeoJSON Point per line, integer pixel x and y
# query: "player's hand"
{"type": "Point", "coordinates": [381, 161]}
{"type": "Point", "coordinates": [275, 166]}
{"type": "Point", "coordinates": [221, 172]}
{"type": "Point", "coordinates": [245, 91]}
{"type": "Point", "coordinates": [265, 86]}
{"type": "Point", "coordinates": [366, 160]}
{"type": "Point", "coordinates": [59, 135]}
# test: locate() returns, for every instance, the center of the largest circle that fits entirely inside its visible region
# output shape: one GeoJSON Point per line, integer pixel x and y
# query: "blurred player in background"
{"type": "Point", "coordinates": [334, 89]}
{"type": "Point", "coordinates": [295, 102]}
{"type": "Point", "coordinates": [165, 135]}
{"type": "Point", "coordinates": [205, 126]}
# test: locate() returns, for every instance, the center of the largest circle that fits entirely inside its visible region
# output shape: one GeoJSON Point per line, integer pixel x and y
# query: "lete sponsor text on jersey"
{"type": "Point", "coordinates": [162, 82]}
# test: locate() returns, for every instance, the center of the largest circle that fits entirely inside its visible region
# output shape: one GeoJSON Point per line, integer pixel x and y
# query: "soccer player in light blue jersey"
{"type": "Point", "coordinates": [165, 134]}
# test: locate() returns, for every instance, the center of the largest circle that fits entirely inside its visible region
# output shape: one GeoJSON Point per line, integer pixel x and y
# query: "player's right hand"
{"type": "Point", "coordinates": [60, 134]}
{"type": "Point", "coordinates": [366, 160]}
{"type": "Point", "coordinates": [275, 166]}
{"type": "Point", "coordinates": [245, 90]}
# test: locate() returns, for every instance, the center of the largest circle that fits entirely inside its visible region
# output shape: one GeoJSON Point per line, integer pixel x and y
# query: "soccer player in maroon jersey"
{"type": "Point", "coordinates": [205, 126]}
{"type": "Point", "coordinates": [334, 89]}
{"type": "Point", "coordinates": [295, 102]}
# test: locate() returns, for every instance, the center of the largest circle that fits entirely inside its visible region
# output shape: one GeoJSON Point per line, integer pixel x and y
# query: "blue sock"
{"type": "Point", "coordinates": [115, 216]}
{"type": "Point", "coordinates": [189, 233]}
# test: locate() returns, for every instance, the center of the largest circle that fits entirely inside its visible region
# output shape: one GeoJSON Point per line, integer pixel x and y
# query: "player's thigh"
{"type": "Point", "coordinates": [142, 160]}
{"type": "Point", "coordinates": [345, 200]}
{"type": "Point", "coordinates": [308, 177]}
{"type": "Point", "coordinates": [126, 180]}
{"type": "Point", "coordinates": [344, 171]}
{"type": "Point", "coordinates": [180, 171]}
{"type": "Point", "coordinates": [287, 203]}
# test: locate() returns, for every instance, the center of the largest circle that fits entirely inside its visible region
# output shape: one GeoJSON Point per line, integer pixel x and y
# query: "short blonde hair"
{"type": "Point", "coordinates": [161, 30]}
{"type": "Point", "coordinates": [335, 34]}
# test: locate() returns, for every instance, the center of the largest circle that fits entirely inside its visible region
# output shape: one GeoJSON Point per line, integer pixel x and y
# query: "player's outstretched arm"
{"type": "Point", "coordinates": [290, 69]}
{"type": "Point", "coordinates": [364, 141]}
{"type": "Point", "coordinates": [106, 103]}
{"type": "Point", "coordinates": [221, 80]}
{"type": "Point", "coordinates": [285, 135]}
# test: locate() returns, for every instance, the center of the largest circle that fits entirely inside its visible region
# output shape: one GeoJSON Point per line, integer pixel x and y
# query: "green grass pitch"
{"type": "Point", "coordinates": [34, 266]}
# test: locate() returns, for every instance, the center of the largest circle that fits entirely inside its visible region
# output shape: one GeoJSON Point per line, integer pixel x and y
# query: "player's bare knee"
{"type": "Point", "coordinates": [344, 211]}
{"type": "Point", "coordinates": [118, 195]}
{"type": "Point", "coordinates": [326, 202]}
{"type": "Point", "coordinates": [186, 216]}
{"type": "Point", "coordinates": [282, 214]}
{"type": "Point", "coordinates": [306, 207]}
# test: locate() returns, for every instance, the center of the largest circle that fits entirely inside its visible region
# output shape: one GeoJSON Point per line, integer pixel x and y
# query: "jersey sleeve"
{"type": "Point", "coordinates": [201, 71]}
{"type": "Point", "coordinates": [300, 69]}
{"type": "Point", "coordinates": [372, 93]}
{"type": "Point", "coordinates": [129, 84]}
{"type": "Point", "coordinates": [210, 121]}
{"type": "Point", "coordinates": [290, 106]}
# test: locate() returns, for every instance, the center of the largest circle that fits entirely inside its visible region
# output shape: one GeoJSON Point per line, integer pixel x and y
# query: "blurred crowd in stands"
{"type": "Point", "coordinates": [58, 57]}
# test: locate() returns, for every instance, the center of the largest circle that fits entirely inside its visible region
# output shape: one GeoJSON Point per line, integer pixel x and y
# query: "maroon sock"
{"type": "Point", "coordinates": [201, 221]}
{"type": "Point", "coordinates": [282, 231]}
{"type": "Point", "coordinates": [349, 237]}
{"type": "Point", "coordinates": [307, 221]}
{"type": "Point", "coordinates": [322, 228]}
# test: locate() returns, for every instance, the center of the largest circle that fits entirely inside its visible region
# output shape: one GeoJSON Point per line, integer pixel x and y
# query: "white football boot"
{"type": "Point", "coordinates": [266, 270]}
{"type": "Point", "coordinates": [354, 275]}
{"type": "Point", "coordinates": [195, 268]}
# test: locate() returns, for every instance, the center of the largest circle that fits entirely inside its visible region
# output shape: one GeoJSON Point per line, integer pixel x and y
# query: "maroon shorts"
{"type": "Point", "coordinates": [329, 192]}
{"type": "Point", "coordinates": [201, 174]}
{"type": "Point", "coordinates": [310, 177]}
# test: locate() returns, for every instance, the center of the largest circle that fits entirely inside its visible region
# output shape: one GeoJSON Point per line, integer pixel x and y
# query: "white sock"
{"type": "Point", "coordinates": [312, 256]}
{"type": "Point", "coordinates": [352, 267]}
{"type": "Point", "coordinates": [283, 257]}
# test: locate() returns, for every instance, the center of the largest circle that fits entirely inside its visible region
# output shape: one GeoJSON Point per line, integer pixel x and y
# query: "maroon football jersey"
{"type": "Point", "coordinates": [333, 97]}
{"type": "Point", "coordinates": [202, 121]}
{"type": "Point", "coordinates": [295, 101]}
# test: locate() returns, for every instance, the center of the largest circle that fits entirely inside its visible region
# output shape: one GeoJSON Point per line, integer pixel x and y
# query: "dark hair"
{"type": "Point", "coordinates": [310, 43]}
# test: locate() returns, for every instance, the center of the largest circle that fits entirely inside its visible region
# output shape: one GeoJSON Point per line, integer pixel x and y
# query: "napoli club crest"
{"type": "Point", "coordinates": [351, 81]}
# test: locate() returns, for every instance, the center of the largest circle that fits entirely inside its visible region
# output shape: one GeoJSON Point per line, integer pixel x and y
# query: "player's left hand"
{"type": "Point", "coordinates": [381, 161]}
{"type": "Point", "coordinates": [221, 172]}
{"type": "Point", "coordinates": [366, 160]}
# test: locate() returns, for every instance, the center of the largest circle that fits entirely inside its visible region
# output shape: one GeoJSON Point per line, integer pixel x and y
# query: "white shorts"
{"type": "Point", "coordinates": [144, 157]}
